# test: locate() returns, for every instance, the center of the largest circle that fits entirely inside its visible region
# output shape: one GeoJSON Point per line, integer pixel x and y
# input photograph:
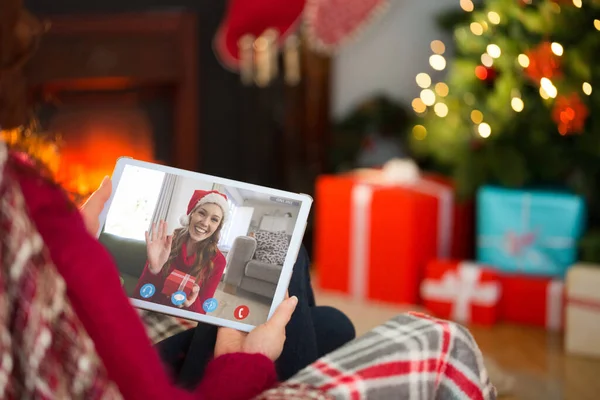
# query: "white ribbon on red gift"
{"type": "Point", "coordinates": [185, 278]}
{"type": "Point", "coordinates": [554, 305]}
{"type": "Point", "coordinates": [396, 173]}
{"type": "Point", "coordinates": [462, 288]}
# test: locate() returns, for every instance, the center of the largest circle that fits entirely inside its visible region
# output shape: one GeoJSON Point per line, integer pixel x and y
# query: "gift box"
{"type": "Point", "coordinates": [461, 291]}
{"type": "Point", "coordinates": [373, 236]}
{"type": "Point", "coordinates": [532, 300]}
{"type": "Point", "coordinates": [529, 232]}
{"type": "Point", "coordinates": [582, 315]}
{"type": "Point", "coordinates": [178, 281]}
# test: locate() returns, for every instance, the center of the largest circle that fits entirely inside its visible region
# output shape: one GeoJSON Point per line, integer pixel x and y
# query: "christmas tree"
{"type": "Point", "coordinates": [516, 106]}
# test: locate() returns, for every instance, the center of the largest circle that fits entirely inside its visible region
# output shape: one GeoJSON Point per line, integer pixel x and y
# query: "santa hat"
{"type": "Point", "coordinates": [254, 17]}
{"type": "Point", "coordinates": [204, 197]}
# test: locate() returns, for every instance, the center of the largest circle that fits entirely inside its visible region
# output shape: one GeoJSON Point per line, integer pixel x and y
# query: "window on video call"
{"type": "Point", "coordinates": [199, 246]}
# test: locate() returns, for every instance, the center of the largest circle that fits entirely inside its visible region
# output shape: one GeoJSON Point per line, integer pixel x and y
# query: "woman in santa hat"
{"type": "Point", "coordinates": [191, 250]}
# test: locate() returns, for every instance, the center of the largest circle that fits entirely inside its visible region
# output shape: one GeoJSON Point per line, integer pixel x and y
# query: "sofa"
{"type": "Point", "coordinates": [246, 272]}
{"type": "Point", "coordinates": [129, 255]}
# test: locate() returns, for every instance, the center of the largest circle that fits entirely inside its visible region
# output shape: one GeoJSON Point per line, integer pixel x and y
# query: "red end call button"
{"type": "Point", "coordinates": [241, 312]}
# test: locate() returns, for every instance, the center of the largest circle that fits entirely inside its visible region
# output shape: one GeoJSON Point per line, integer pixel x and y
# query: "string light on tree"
{"type": "Point", "coordinates": [419, 106]}
{"type": "Point", "coordinates": [441, 110]}
{"type": "Point", "coordinates": [557, 49]}
{"type": "Point", "coordinates": [587, 88]}
{"type": "Point", "coordinates": [467, 5]}
{"type": "Point", "coordinates": [428, 97]}
{"type": "Point", "coordinates": [494, 17]}
{"type": "Point", "coordinates": [476, 117]}
{"type": "Point", "coordinates": [419, 132]}
{"type": "Point", "coordinates": [438, 47]}
{"type": "Point", "coordinates": [441, 89]}
{"type": "Point", "coordinates": [476, 28]}
{"type": "Point", "coordinates": [437, 62]}
{"type": "Point", "coordinates": [523, 60]}
{"type": "Point", "coordinates": [487, 60]}
{"type": "Point", "coordinates": [484, 130]}
{"type": "Point", "coordinates": [577, 3]}
{"type": "Point", "coordinates": [423, 80]}
{"type": "Point", "coordinates": [548, 87]}
{"type": "Point", "coordinates": [517, 104]}
{"type": "Point", "coordinates": [597, 24]}
{"type": "Point", "coordinates": [494, 50]}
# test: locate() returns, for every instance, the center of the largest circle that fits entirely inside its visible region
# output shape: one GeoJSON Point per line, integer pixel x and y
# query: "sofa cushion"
{"type": "Point", "coordinates": [271, 247]}
{"type": "Point", "coordinates": [263, 271]}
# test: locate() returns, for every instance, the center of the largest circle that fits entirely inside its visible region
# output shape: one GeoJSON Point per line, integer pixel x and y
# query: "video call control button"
{"type": "Point", "coordinates": [241, 312]}
{"type": "Point", "coordinates": [210, 305]}
{"type": "Point", "coordinates": [147, 290]}
{"type": "Point", "coordinates": [178, 298]}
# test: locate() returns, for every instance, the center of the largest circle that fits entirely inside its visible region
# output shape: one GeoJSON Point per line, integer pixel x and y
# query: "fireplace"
{"type": "Point", "coordinates": [118, 85]}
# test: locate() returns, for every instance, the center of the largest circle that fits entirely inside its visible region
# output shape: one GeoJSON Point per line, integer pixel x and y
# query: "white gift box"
{"type": "Point", "coordinates": [582, 322]}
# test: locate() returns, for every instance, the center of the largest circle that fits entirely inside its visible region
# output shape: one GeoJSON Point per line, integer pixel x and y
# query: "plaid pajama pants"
{"type": "Point", "coordinates": [411, 357]}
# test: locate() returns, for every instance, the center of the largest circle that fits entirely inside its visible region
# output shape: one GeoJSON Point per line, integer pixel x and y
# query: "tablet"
{"type": "Point", "coordinates": [201, 247]}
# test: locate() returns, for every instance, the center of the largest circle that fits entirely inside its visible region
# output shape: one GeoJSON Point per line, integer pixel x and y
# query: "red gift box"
{"type": "Point", "coordinates": [178, 281]}
{"type": "Point", "coordinates": [461, 291]}
{"type": "Point", "coordinates": [530, 300]}
{"type": "Point", "coordinates": [373, 240]}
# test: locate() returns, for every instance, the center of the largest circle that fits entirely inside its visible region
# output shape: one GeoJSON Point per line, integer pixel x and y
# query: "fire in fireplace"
{"type": "Point", "coordinates": [96, 128]}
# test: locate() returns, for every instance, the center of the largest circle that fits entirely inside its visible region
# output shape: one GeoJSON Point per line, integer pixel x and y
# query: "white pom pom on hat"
{"type": "Point", "coordinates": [203, 197]}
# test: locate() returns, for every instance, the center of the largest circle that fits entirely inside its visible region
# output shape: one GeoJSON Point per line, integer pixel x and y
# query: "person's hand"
{"type": "Point", "coordinates": [94, 205]}
{"type": "Point", "coordinates": [158, 247]}
{"type": "Point", "coordinates": [193, 296]}
{"type": "Point", "coordinates": [266, 339]}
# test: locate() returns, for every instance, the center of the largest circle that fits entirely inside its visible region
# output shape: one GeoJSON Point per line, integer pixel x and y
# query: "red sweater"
{"type": "Point", "coordinates": [184, 264]}
{"type": "Point", "coordinates": [94, 289]}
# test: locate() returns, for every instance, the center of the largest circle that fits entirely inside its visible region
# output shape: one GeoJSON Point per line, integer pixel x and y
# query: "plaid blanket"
{"type": "Point", "coordinates": [411, 357]}
{"type": "Point", "coordinates": [161, 326]}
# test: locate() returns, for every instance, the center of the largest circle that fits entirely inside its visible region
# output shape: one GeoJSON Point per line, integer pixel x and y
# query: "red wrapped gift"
{"type": "Point", "coordinates": [531, 300]}
{"type": "Point", "coordinates": [178, 281]}
{"type": "Point", "coordinates": [462, 291]}
{"type": "Point", "coordinates": [373, 238]}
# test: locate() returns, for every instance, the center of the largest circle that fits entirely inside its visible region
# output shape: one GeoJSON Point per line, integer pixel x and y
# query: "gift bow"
{"type": "Point", "coordinates": [462, 288]}
{"type": "Point", "coordinates": [516, 243]}
{"type": "Point", "coordinates": [397, 171]}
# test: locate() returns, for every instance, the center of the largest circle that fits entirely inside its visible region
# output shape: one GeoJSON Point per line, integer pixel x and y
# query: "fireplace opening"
{"type": "Point", "coordinates": [115, 85]}
{"type": "Point", "coordinates": [95, 128]}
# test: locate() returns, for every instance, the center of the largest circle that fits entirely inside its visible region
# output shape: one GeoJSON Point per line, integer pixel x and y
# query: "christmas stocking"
{"type": "Point", "coordinates": [330, 23]}
{"type": "Point", "coordinates": [254, 17]}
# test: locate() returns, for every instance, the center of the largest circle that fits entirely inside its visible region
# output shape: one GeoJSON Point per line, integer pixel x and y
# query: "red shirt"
{"type": "Point", "coordinates": [184, 264]}
{"type": "Point", "coordinates": [95, 292]}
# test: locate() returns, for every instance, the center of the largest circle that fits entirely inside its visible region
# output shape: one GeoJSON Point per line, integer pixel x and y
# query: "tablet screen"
{"type": "Point", "coordinates": [195, 245]}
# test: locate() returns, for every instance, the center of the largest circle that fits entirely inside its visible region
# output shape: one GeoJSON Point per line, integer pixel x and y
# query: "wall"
{"type": "Point", "coordinates": [261, 209]}
{"type": "Point", "coordinates": [387, 56]}
{"type": "Point", "coordinates": [184, 188]}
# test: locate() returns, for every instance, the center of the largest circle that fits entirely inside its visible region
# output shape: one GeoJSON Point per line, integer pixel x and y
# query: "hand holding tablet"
{"type": "Point", "coordinates": [202, 247]}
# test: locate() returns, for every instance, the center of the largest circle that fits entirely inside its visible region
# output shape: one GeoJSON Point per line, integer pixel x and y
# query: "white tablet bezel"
{"type": "Point", "coordinates": [290, 259]}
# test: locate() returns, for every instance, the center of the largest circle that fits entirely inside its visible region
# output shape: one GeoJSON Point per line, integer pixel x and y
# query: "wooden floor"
{"type": "Point", "coordinates": [531, 358]}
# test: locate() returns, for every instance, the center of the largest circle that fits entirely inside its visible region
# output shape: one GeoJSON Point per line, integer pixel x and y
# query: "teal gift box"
{"type": "Point", "coordinates": [531, 232]}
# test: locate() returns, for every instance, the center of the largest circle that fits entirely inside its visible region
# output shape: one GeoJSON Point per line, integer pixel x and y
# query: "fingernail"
{"type": "Point", "coordinates": [294, 300]}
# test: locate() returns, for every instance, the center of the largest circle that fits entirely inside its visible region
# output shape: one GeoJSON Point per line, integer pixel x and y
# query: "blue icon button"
{"type": "Point", "coordinates": [210, 305]}
{"type": "Point", "coordinates": [178, 298]}
{"type": "Point", "coordinates": [147, 290]}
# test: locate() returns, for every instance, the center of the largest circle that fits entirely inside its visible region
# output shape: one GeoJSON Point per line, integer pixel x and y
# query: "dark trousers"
{"type": "Point", "coordinates": [312, 332]}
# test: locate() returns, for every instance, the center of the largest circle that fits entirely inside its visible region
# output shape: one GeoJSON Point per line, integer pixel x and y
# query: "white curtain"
{"type": "Point", "coordinates": [164, 199]}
